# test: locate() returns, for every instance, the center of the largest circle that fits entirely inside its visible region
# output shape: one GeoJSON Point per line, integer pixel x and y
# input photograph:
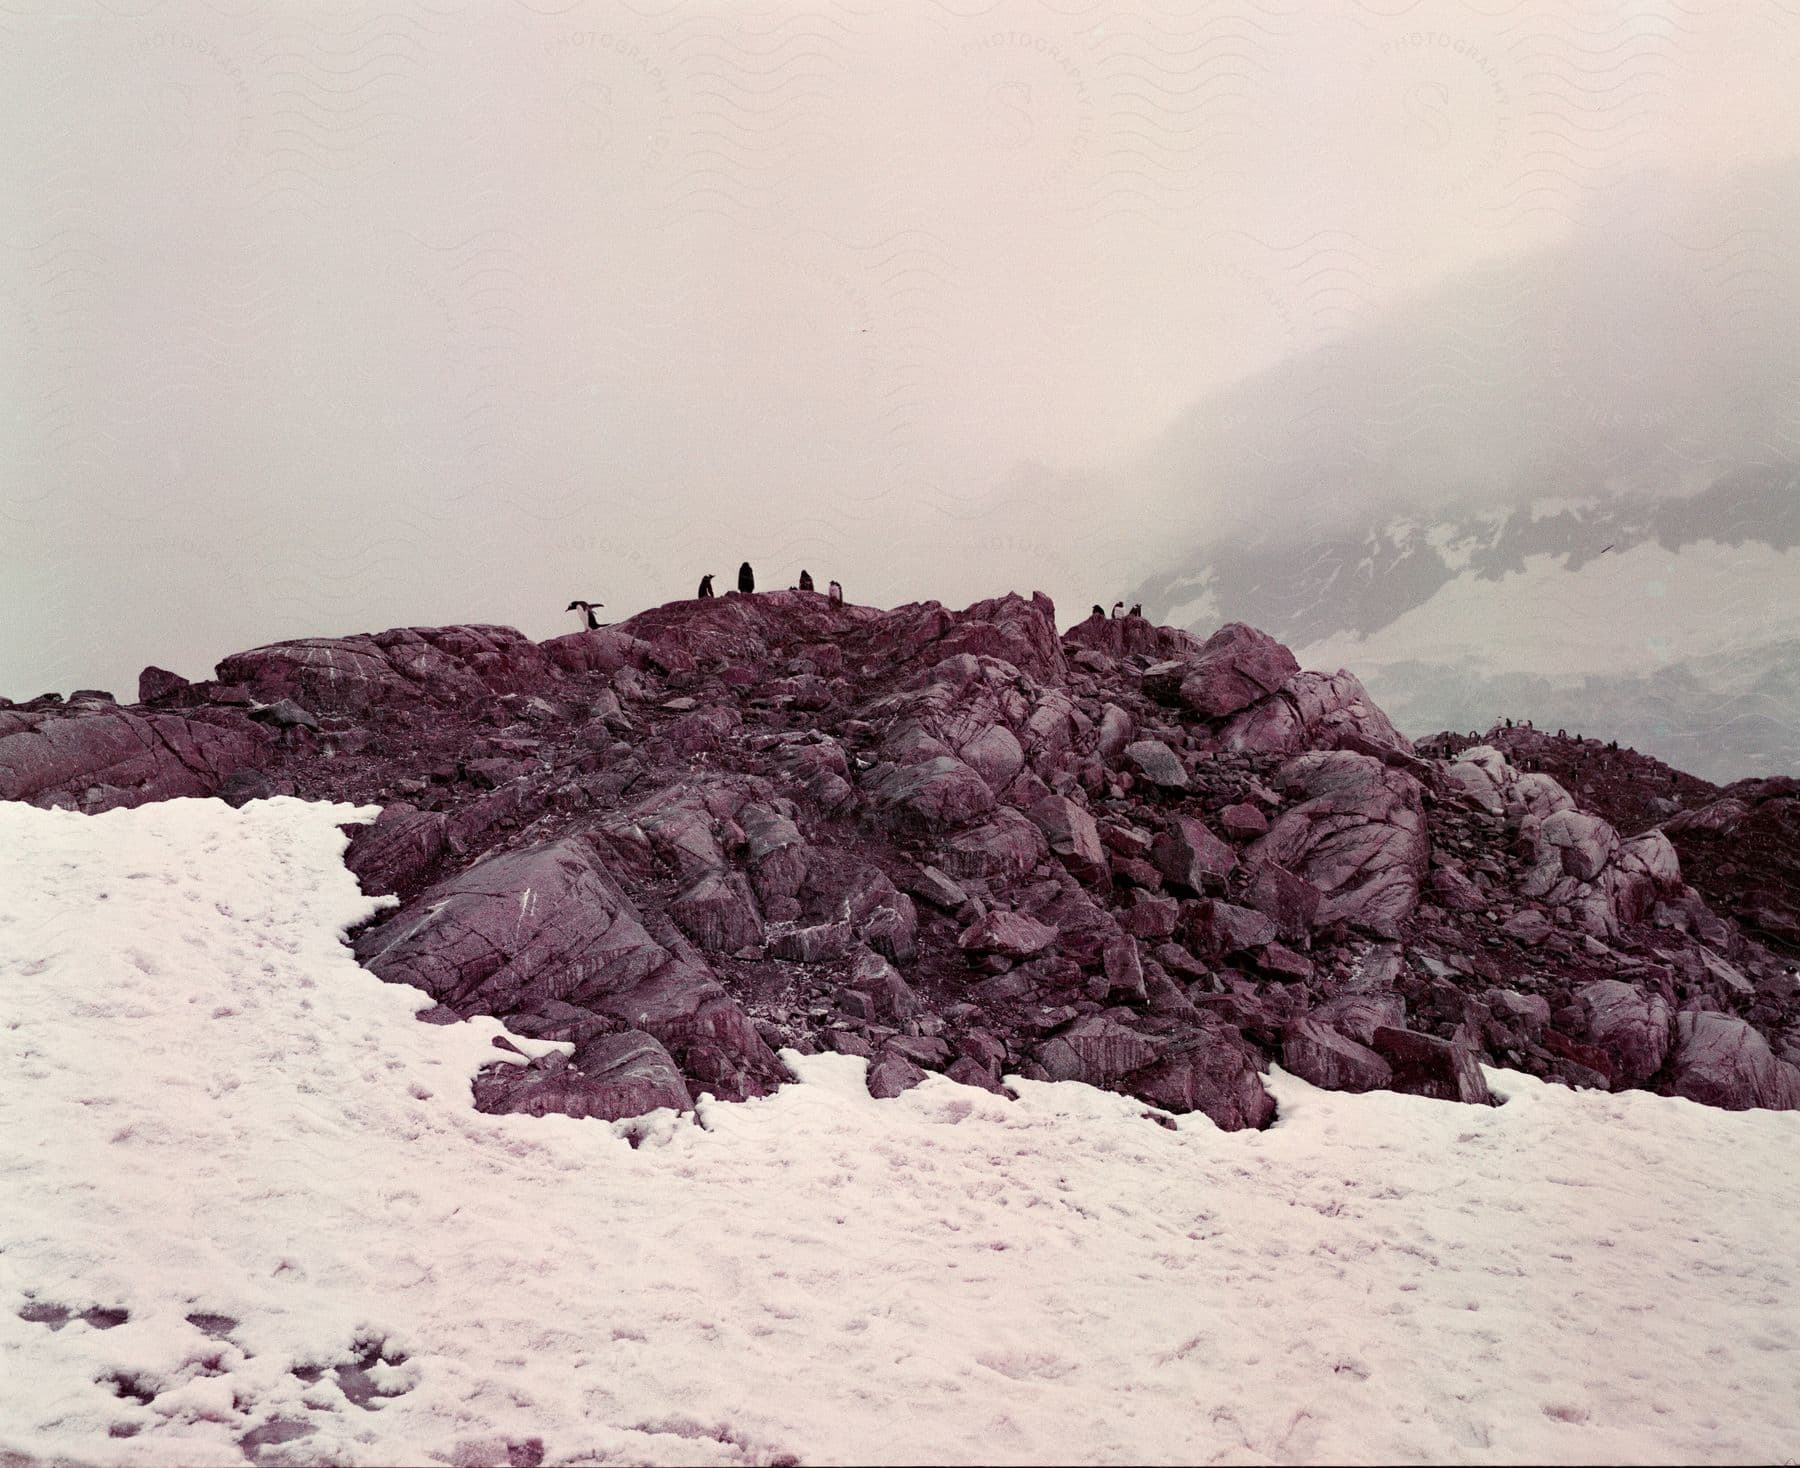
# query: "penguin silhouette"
{"type": "Point", "coordinates": [836, 594]}
{"type": "Point", "coordinates": [588, 608]}
{"type": "Point", "coordinates": [806, 580]}
{"type": "Point", "coordinates": [705, 586]}
{"type": "Point", "coordinates": [746, 579]}
{"type": "Point", "coordinates": [1118, 610]}
{"type": "Point", "coordinates": [1137, 609]}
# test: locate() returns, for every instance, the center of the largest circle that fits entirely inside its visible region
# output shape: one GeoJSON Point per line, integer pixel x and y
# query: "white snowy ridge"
{"type": "Point", "coordinates": [245, 1198]}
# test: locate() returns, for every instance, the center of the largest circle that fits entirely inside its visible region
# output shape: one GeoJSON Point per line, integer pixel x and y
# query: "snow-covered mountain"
{"type": "Point", "coordinates": [1672, 624]}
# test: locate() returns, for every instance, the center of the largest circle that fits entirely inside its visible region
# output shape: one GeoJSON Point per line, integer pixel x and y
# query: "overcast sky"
{"type": "Point", "coordinates": [321, 319]}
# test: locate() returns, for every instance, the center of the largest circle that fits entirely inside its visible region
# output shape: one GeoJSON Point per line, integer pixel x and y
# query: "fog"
{"type": "Point", "coordinates": [321, 319]}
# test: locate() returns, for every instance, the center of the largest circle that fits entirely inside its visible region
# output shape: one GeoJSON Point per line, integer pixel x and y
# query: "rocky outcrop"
{"type": "Point", "coordinates": [400, 668]}
{"type": "Point", "coordinates": [96, 757]}
{"type": "Point", "coordinates": [950, 841]}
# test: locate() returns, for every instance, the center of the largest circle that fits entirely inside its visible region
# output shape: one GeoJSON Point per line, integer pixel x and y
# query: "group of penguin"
{"type": "Point", "coordinates": [746, 584]}
{"type": "Point", "coordinates": [1137, 610]}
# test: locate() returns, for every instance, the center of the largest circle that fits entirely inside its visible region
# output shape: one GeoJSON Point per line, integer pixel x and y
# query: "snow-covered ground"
{"type": "Point", "coordinates": [218, 1128]}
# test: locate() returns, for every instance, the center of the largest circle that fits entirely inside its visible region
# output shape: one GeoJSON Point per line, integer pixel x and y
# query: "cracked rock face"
{"type": "Point", "coordinates": [99, 757]}
{"type": "Point", "coordinates": [957, 842]}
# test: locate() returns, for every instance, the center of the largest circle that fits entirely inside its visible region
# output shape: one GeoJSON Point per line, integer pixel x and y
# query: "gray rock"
{"type": "Point", "coordinates": [1157, 764]}
{"type": "Point", "coordinates": [1190, 857]}
{"type": "Point", "coordinates": [1010, 934]}
{"type": "Point", "coordinates": [1632, 1026]}
{"type": "Point", "coordinates": [1720, 1060]}
{"type": "Point", "coordinates": [1325, 1058]}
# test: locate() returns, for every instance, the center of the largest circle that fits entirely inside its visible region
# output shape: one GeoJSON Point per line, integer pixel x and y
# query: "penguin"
{"type": "Point", "coordinates": [1137, 609]}
{"type": "Point", "coordinates": [806, 580]}
{"type": "Point", "coordinates": [705, 587]}
{"type": "Point", "coordinates": [1118, 610]}
{"type": "Point", "coordinates": [746, 579]}
{"type": "Point", "coordinates": [587, 607]}
{"type": "Point", "coordinates": [836, 593]}
{"type": "Point", "coordinates": [1098, 611]}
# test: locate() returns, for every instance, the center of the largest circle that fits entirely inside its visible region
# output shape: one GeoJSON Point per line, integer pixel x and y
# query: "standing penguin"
{"type": "Point", "coordinates": [746, 579]}
{"type": "Point", "coordinates": [705, 586]}
{"type": "Point", "coordinates": [805, 579]}
{"type": "Point", "coordinates": [588, 608]}
{"type": "Point", "coordinates": [1118, 610]}
{"type": "Point", "coordinates": [1137, 609]}
{"type": "Point", "coordinates": [836, 593]}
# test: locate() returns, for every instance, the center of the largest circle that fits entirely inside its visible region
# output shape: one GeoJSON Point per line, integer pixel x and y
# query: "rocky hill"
{"type": "Point", "coordinates": [960, 841]}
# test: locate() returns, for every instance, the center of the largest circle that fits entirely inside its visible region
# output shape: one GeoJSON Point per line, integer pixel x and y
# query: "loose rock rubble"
{"type": "Point", "coordinates": [957, 841]}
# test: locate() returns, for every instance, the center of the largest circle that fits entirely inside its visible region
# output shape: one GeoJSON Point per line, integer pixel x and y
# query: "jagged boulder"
{"type": "Point", "coordinates": [390, 853]}
{"type": "Point", "coordinates": [1156, 764]}
{"type": "Point", "coordinates": [718, 912]}
{"type": "Point", "coordinates": [1424, 1065]}
{"type": "Point", "coordinates": [1009, 934]}
{"type": "Point", "coordinates": [1213, 1072]}
{"type": "Point", "coordinates": [1006, 843]}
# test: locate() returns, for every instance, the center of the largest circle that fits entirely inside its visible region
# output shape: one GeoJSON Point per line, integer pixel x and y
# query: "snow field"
{"type": "Point", "coordinates": [219, 1129]}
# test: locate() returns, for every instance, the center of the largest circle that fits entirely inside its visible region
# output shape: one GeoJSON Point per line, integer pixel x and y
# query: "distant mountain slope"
{"type": "Point", "coordinates": [1670, 624]}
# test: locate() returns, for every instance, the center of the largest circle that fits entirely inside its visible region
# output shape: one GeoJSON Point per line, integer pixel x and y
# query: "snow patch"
{"type": "Point", "coordinates": [250, 1213]}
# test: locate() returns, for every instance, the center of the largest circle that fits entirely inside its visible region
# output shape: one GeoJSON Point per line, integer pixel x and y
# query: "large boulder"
{"type": "Point", "coordinates": [1317, 1053]}
{"type": "Point", "coordinates": [1005, 844]}
{"type": "Point", "coordinates": [95, 757]}
{"type": "Point", "coordinates": [717, 911]}
{"type": "Point", "coordinates": [389, 854]}
{"type": "Point", "coordinates": [1632, 1026]}
{"type": "Point", "coordinates": [703, 1027]}
{"type": "Point", "coordinates": [1190, 857]}
{"type": "Point", "coordinates": [1358, 835]}
{"type": "Point", "coordinates": [935, 792]}
{"type": "Point", "coordinates": [1156, 764]}
{"type": "Point", "coordinates": [1314, 711]}
{"type": "Point", "coordinates": [1214, 1072]}
{"type": "Point", "coordinates": [513, 931]}
{"type": "Point", "coordinates": [1425, 1065]}
{"type": "Point", "coordinates": [1098, 1050]}
{"type": "Point", "coordinates": [1233, 669]}
{"type": "Point", "coordinates": [1008, 934]}
{"type": "Point", "coordinates": [1073, 836]}
{"type": "Point", "coordinates": [1720, 1060]}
